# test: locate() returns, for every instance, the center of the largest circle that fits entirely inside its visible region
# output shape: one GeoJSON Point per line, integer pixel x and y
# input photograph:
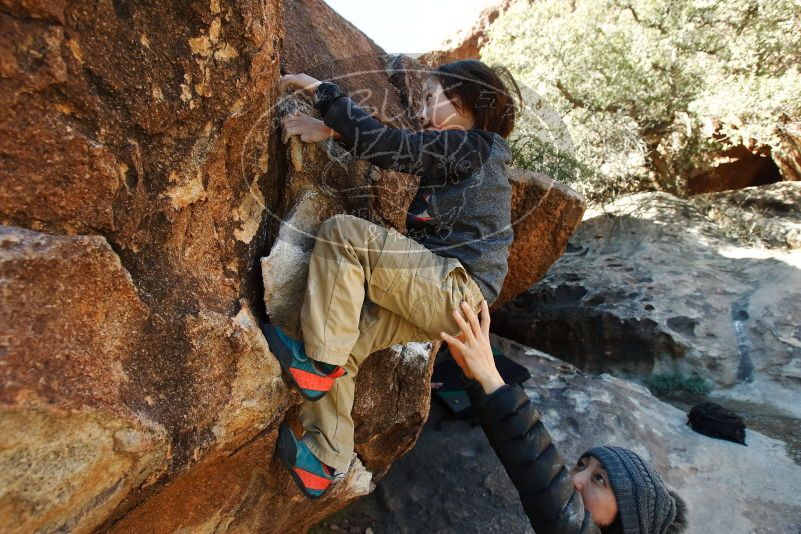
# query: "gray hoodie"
{"type": "Point", "coordinates": [462, 208]}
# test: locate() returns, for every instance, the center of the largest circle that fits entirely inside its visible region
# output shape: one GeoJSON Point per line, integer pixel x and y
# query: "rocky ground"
{"type": "Point", "coordinates": [452, 481]}
{"type": "Point", "coordinates": [651, 285]}
{"type": "Point", "coordinates": [761, 216]}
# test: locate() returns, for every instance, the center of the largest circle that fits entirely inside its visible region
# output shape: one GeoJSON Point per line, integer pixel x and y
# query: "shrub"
{"type": "Point", "coordinates": [648, 90]}
{"type": "Point", "coordinates": [675, 384]}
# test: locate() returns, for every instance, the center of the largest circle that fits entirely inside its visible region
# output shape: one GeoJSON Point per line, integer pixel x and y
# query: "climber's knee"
{"type": "Point", "coordinates": [329, 227]}
{"type": "Point", "coordinates": [335, 227]}
{"type": "Point", "coordinates": [342, 228]}
{"type": "Point", "coordinates": [349, 236]}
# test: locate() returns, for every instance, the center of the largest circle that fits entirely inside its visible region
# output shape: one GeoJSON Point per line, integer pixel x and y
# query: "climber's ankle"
{"type": "Point", "coordinates": [335, 371]}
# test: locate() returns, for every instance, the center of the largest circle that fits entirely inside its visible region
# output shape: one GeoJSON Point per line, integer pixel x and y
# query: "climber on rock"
{"type": "Point", "coordinates": [609, 490]}
{"type": "Point", "coordinates": [371, 287]}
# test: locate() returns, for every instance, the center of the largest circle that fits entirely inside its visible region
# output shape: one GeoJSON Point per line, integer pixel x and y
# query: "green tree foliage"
{"type": "Point", "coordinates": [648, 89]}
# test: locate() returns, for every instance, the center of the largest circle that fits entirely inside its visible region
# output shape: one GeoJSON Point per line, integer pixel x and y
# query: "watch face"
{"type": "Point", "coordinates": [328, 91]}
{"type": "Point", "coordinates": [323, 90]}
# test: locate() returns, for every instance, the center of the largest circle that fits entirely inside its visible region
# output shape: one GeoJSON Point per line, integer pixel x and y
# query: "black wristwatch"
{"type": "Point", "coordinates": [325, 95]}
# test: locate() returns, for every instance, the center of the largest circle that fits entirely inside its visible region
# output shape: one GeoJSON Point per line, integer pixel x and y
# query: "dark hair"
{"type": "Point", "coordinates": [480, 89]}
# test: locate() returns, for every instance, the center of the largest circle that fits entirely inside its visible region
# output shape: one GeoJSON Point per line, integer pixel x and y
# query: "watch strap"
{"type": "Point", "coordinates": [325, 95]}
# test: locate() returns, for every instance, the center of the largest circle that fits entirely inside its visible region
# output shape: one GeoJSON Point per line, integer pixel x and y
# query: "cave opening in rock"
{"type": "Point", "coordinates": [739, 168]}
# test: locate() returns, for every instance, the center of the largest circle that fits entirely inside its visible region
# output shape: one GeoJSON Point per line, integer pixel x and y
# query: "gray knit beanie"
{"type": "Point", "coordinates": [645, 504]}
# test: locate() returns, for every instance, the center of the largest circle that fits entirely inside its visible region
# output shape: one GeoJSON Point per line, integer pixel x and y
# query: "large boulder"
{"type": "Point", "coordinates": [140, 159]}
{"type": "Point", "coordinates": [649, 285]}
{"type": "Point", "coordinates": [453, 482]}
{"type": "Point", "coordinates": [467, 42]}
{"type": "Point", "coordinates": [545, 214]}
{"type": "Point", "coordinates": [71, 449]}
{"type": "Point", "coordinates": [142, 178]}
{"type": "Point", "coordinates": [761, 216]}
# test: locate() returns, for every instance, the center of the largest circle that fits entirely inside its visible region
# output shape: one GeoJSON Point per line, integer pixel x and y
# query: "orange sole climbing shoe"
{"type": "Point", "coordinates": [312, 379]}
{"type": "Point", "coordinates": [310, 475]}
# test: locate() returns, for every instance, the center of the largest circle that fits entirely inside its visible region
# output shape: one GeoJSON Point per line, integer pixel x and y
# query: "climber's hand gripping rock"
{"type": "Point", "coordinates": [309, 129]}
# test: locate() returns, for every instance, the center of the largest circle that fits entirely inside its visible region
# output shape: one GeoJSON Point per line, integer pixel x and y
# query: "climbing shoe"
{"type": "Point", "coordinates": [312, 379]}
{"type": "Point", "coordinates": [310, 474]}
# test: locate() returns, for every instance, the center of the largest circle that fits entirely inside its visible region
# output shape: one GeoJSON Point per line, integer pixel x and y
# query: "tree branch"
{"type": "Point", "coordinates": [611, 108]}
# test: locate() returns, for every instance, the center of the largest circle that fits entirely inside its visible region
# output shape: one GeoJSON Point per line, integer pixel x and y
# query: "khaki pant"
{"type": "Point", "coordinates": [369, 288]}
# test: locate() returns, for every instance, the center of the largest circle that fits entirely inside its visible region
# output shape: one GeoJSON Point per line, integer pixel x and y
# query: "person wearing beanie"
{"type": "Point", "coordinates": [610, 490]}
{"type": "Point", "coordinates": [643, 501]}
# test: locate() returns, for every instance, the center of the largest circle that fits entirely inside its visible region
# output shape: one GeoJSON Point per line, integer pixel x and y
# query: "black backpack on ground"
{"type": "Point", "coordinates": [713, 420]}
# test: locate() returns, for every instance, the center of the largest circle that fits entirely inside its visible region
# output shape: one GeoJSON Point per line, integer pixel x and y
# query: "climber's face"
{"type": "Point", "coordinates": [592, 481]}
{"type": "Point", "coordinates": [439, 113]}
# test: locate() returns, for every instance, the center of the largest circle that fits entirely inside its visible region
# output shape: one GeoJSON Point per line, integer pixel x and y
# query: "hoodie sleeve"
{"type": "Point", "coordinates": [445, 156]}
{"type": "Point", "coordinates": [532, 461]}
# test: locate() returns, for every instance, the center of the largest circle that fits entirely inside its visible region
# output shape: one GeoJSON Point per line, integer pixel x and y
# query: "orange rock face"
{"type": "Point", "coordinates": [142, 180]}
{"type": "Point", "coordinates": [467, 43]}
{"type": "Point", "coordinates": [545, 214]}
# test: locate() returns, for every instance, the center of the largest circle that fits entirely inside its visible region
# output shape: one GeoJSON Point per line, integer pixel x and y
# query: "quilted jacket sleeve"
{"type": "Point", "coordinates": [531, 460]}
{"type": "Point", "coordinates": [445, 156]}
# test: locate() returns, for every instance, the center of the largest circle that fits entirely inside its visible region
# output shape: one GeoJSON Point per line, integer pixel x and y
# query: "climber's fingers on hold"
{"type": "Point", "coordinates": [293, 117]}
{"type": "Point", "coordinates": [300, 129]}
{"type": "Point", "coordinates": [286, 125]}
{"type": "Point", "coordinates": [296, 123]}
{"type": "Point", "coordinates": [289, 130]}
{"type": "Point", "coordinates": [297, 81]}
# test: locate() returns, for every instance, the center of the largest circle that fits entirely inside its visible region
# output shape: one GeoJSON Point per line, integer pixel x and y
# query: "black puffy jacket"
{"type": "Point", "coordinates": [531, 460]}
